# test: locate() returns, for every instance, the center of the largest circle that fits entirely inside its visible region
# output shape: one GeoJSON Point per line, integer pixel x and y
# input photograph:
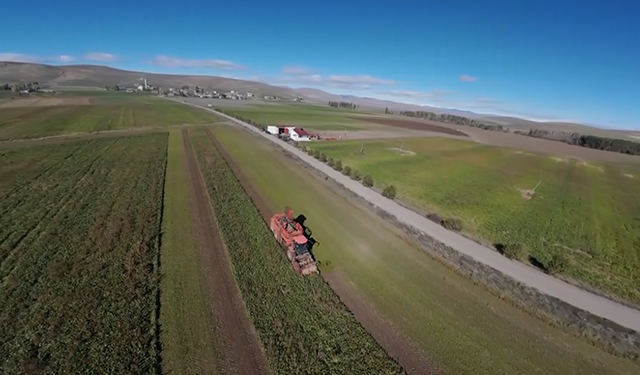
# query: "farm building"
{"type": "Point", "coordinates": [295, 133]}
{"type": "Point", "coordinates": [299, 135]}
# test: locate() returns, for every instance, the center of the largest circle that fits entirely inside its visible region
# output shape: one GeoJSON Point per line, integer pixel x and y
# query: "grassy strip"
{"type": "Point", "coordinates": [579, 223]}
{"type": "Point", "coordinates": [188, 332]}
{"type": "Point", "coordinates": [77, 274]}
{"type": "Point", "coordinates": [302, 324]}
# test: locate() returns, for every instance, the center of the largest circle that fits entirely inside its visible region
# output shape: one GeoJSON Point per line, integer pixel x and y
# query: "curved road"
{"type": "Point", "coordinates": [597, 305]}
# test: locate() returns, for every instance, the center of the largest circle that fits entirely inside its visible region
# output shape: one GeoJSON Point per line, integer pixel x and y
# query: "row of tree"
{"type": "Point", "coordinates": [589, 141]}
{"type": "Point", "coordinates": [452, 119]}
{"type": "Point", "coordinates": [343, 105]}
{"type": "Point", "coordinates": [17, 87]}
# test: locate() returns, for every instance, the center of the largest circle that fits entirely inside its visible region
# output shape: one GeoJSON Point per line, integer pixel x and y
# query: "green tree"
{"type": "Point", "coordinates": [389, 192]}
{"type": "Point", "coordinates": [367, 181]}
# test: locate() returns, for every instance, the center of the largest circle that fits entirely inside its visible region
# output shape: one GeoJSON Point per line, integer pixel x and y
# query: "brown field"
{"type": "Point", "coordinates": [413, 125]}
{"type": "Point", "coordinates": [45, 102]}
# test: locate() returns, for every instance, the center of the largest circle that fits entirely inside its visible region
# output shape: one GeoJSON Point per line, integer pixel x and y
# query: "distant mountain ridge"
{"type": "Point", "coordinates": [99, 76]}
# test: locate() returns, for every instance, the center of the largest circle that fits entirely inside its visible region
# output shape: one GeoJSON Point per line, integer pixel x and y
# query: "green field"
{"type": "Point", "coordinates": [107, 111]}
{"type": "Point", "coordinates": [79, 227]}
{"type": "Point", "coordinates": [587, 212]}
{"type": "Point", "coordinates": [462, 327]}
{"type": "Point", "coordinates": [306, 116]}
{"type": "Point", "coordinates": [188, 331]}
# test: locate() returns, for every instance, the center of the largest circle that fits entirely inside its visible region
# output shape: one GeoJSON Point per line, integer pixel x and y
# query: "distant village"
{"type": "Point", "coordinates": [195, 92]}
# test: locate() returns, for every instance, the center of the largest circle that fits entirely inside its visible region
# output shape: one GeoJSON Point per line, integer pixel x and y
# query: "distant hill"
{"type": "Point", "coordinates": [95, 75]}
{"type": "Point", "coordinates": [98, 76]}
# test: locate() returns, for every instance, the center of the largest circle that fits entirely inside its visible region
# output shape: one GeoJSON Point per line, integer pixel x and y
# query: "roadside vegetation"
{"type": "Point", "coordinates": [579, 222]}
{"type": "Point", "coordinates": [302, 324]}
{"type": "Point", "coordinates": [86, 112]}
{"type": "Point", "coordinates": [79, 227]}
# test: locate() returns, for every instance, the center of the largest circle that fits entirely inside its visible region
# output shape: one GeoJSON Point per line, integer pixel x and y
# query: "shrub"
{"type": "Point", "coordinates": [452, 223]}
{"type": "Point", "coordinates": [389, 191]}
{"type": "Point", "coordinates": [515, 251]}
{"type": "Point", "coordinates": [330, 161]}
{"type": "Point", "coordinates": [316, 154]}
{"type": "Point", "coordinates": [367, 181]}
{"type": "Point", "coordinates": [355, 175]}
{"type": "Point", "coordinates": [346, 170]}
{"type": "Point", "coordinates": [303, 148]}
{"type": "Point", "coordinates": [337, 165]}
{"type": "Point", "coordinates": [435, 218]}
{"type": "Point", "coordinates": [557, 264]}
{"type": "Point", "coordinates": [323, 157]}
{"type": "Point", "coordinates": [310, 151]}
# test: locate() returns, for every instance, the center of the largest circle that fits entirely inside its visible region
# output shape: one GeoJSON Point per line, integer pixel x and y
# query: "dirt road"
{"type": "Point", "coordinates": [546, 284]}
{"type": "Point", "coordinates": [237, 348]}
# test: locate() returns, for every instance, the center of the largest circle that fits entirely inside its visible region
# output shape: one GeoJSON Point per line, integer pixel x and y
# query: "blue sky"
{"type": "Point", "coordinates": [551, 60]}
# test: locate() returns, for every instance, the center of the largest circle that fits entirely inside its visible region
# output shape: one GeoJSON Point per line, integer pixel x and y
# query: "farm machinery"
{"type": "Point", "coordinates": [296, 239]}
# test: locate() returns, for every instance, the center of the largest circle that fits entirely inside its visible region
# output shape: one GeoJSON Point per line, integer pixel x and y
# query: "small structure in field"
{"type": "Point", "coordinates": [528, 194]}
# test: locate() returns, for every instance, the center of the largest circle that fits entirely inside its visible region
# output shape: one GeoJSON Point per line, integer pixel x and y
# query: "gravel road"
{"type": "Point", "coordinates": [595, 304]}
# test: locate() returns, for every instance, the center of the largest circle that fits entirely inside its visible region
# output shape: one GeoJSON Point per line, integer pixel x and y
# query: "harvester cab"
{"type": "Point", "coordinates": [301, 245]}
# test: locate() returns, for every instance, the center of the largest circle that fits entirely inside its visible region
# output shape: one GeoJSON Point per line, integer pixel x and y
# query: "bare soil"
{"type": "Point", "coordinates": [237, 348]}
{"type": "Point", "coordinates": [413, 125]}
{"type": "Point", "coordinates": [45, 102]}
{"type": "Point", "coordinates": [396, 345]}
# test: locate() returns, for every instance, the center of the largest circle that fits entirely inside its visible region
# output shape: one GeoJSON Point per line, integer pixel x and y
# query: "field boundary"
{"type": "Point", "coordinates": [609, 333]}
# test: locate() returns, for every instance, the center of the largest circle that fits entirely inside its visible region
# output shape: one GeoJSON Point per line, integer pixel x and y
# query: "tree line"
{"type": "Point", "coordinates": [343, 105]}
{"type": "Point", "coordinates": [452, 119]}
{"type": "Point", "coordinates": [622, 146]}
{"type": "Point", "coordinates": [589, 141]}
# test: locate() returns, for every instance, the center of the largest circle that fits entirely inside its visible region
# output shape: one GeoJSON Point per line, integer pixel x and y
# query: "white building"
{"type": "Point", "coordinates": [298, 134]}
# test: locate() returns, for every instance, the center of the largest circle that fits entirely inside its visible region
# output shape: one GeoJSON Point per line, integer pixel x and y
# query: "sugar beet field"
{"type": "Point", "coordinates": [83, 266]}
{"type": "Point", "coordinates": [79, 244]}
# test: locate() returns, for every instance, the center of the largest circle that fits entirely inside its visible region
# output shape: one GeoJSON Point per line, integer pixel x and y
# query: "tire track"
{"type": "Point", "coordinates": [238, 348]}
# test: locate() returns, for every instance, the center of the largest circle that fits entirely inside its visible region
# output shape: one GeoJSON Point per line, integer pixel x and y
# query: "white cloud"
{"type": "Point", "coordinates": [18, 57]}
{"type": "Point", "coordinates": [172, 62]}
{"type": "Point", "coordinates": [412, 94]}
{"type": "Point", "coordinates": [100, 56]}
{"type": "Point", "coordinates": [297, 75]}
{"type": "Point", "coordinates": [295, 70]}
{"type": "Point", "coordinates": [65, 58]}
{"type": "Point", "coordinates": [467, 78]}
{"type": "Point", "coordinates": [26, 58]}
{"type": "Point", "coordinates": [361, 80]}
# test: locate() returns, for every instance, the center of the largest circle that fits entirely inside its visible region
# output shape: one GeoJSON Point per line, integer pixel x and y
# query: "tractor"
{"type": "Point", "coordinates": [296, 239]}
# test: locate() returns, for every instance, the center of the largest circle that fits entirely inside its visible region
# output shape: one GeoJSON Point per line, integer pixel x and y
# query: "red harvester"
{"type": "Point", "coordinates": [296, 240]}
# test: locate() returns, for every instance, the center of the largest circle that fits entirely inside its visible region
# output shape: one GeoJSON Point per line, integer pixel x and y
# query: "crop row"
{"type": "Point", "coordinates": [302, 324]}
{"type": "Point", "coordinates": [79, 280]}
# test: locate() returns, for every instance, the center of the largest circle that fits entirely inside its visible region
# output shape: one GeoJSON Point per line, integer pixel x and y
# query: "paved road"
{"type": "Point", "coordinates": [597, 305]}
